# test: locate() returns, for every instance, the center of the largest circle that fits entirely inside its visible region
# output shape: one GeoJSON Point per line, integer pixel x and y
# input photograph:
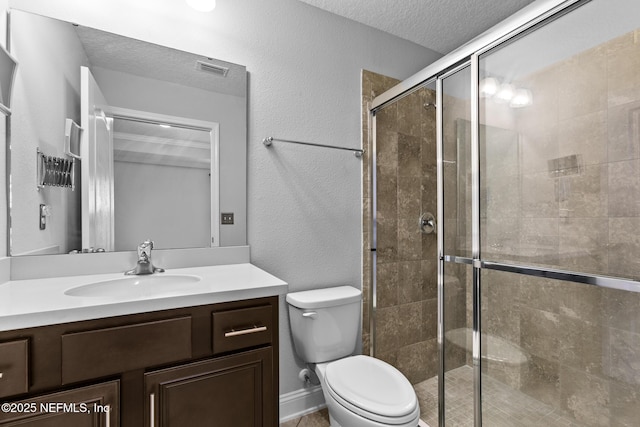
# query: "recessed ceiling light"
{"type": "Point", "coordinates": [521, 98]}
{"type": "Point", "coordinates": [505, 94]}
{"type": "Point", "coordinates": [489, 87]}
{"type": "Point", "coordinates": [202, 5]}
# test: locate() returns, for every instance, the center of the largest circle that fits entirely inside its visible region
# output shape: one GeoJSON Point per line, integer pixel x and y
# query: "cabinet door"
{"type": "Point", "coordinates": [229, 391]}
{"type": "Point", "coordinates": [92, 406]}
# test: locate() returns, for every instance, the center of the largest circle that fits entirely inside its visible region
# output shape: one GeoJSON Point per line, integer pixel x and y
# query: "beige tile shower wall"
{"type": "Point", "coordinates": [582, 342]}
{"type": "Point", "coordinates": [587, 106]}
{"type": "Point", "coordinates": [373, 84]}
{"type": "Point", "coordinates": [406, 316]}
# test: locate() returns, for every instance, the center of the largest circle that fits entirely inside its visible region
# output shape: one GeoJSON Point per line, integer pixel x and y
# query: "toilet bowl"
{"type": "Point", "coordinates": [360, 391]}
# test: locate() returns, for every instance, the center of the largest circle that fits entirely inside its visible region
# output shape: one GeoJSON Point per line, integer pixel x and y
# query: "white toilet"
{"type": "Point", "coordinates": [360, 391]}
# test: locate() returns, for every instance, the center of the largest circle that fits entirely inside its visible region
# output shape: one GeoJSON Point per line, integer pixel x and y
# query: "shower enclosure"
{"type": "Point", "coordinates": [524, 308]}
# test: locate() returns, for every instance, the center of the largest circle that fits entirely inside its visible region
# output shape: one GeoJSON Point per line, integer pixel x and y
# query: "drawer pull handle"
{"type": "Point", "coordinates": [1, 374]}
{"type": "Point", "coordinates": [234, 333]}
{"type": "Point", "coordinates": [107, 416]}
{"type": "Point", "coordinates": [152, 409]}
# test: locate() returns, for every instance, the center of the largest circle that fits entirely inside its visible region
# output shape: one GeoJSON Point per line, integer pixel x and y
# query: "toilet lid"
{"type": "Point", "coordinates": [374, 387]}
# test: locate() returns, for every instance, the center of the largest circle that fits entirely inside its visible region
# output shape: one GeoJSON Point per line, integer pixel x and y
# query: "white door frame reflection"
{"type": "Point", "coordinates": [176, 155]}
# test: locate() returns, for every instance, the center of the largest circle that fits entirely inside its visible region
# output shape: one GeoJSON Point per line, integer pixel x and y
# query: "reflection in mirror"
{"type": "Point", "coordinates": [155, 123]}
{"type": "Point", "coordinates": [158, 165]}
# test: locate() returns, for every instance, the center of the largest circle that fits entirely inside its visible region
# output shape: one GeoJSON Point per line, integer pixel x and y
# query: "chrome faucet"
{"type": "Point", "coordinates": [144, 265]}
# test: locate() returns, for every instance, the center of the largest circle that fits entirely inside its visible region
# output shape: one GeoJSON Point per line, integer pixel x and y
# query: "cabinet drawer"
{"type": "Point", "coordinates": [93, 354]}
{"type": "Point", "coordinates": [242, 328]}
{"type": "Point", "coordinates": [14, 367]}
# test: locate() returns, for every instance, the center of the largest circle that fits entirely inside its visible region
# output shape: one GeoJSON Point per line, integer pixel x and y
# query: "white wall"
{"type": "Point", "coordinates": [4, 238]}
{"type": "Point", "coordinates": [166, 203]}
{"type": "Point", "coordinates": [38, 122]}
{"type": "Point", "coordinates": [304, 203]}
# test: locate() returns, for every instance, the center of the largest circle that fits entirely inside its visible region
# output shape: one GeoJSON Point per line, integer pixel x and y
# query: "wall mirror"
{"type": "Point", "coordinates": [115, 140]}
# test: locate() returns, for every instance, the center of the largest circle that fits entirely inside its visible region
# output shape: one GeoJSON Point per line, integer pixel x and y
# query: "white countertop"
{"type": "Point", "coordinates": [39, 302]}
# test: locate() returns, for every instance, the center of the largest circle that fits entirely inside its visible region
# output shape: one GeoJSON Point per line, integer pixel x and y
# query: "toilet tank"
{"type": "Point", "coordinates": [325, 322]}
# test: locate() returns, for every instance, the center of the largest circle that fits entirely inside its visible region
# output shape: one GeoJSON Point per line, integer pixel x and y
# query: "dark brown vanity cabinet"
{"type": "Point", "coordinates": [14, 358]}
{"type": "Point", "coordinates": [91, 406]}
{"type": "Point", "coordinates": [198, 366]}
{"type": "Point", "coordinates": [232, 391]}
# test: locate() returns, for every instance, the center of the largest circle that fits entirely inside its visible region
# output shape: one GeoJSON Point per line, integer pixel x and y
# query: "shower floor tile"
{"type": "Point", "coordinates": [502, 406]}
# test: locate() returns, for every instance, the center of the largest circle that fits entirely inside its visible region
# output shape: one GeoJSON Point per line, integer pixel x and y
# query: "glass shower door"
{"type": "Point", "coordinates": [455, 278]}
{"type": "Point", "coordinates": [559, 133]}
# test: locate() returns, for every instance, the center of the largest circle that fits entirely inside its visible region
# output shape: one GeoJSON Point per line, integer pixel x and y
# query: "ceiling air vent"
{"type": "Point", "coordinates": [212, 68]}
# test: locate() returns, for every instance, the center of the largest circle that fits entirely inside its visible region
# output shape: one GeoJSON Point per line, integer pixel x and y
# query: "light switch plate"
{"type": "Point", "coordinates": [227, 218]}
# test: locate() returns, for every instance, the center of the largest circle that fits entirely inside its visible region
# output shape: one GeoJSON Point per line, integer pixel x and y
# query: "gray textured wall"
{"type": "Point", "coordinates": [304, 204]}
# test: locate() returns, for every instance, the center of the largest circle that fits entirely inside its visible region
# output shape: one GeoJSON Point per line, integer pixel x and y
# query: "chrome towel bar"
{"type": "Point", "coordinates": [269, 140]}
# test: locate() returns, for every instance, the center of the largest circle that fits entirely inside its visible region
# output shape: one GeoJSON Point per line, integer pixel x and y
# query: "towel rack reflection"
{"type": "Point", "coordinates": [59, 171]}
{"type": "Point", "coordinates": [269, 140]}
{"type": "Point", "coordinates": [55, 171]}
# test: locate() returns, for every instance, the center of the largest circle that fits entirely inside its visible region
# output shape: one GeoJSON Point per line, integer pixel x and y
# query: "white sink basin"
{"type": "Point", "coordinates": [148, 286]}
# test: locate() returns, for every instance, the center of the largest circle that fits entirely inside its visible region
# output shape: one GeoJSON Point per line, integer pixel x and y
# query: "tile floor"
{"type": "Point", "coordinates": [503, 407]}
{"type": "Point", "coordinates": [315, 419]}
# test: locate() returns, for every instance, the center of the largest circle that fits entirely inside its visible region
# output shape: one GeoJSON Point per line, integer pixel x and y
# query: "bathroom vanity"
{"type": "Point", "coordinates": [188, 347]}
{"type": "Point", "coordinates": [186, 365]}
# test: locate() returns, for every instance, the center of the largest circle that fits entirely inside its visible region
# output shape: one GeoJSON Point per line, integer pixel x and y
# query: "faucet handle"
{"type": "Point", "coordinates": [144, 265]}
{"type": "Point", "coordinates": [144, 250]}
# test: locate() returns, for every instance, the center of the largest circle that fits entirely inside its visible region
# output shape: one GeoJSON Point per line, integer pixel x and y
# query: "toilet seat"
{"type": "Point", "coordinates": [372, 389]}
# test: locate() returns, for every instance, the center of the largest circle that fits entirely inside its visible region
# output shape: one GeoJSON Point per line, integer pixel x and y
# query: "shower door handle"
{"type": "Point", "coordinates": [427, 223]}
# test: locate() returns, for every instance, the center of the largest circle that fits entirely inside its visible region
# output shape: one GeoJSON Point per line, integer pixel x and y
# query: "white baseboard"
{"type": "Point", "coordinates": [301, 402]}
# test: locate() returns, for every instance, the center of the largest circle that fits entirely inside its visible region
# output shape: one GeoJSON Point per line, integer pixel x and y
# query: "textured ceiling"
{"type": "Point", "coordinates": [149, 60]}
{"type": "Point", "coordinates": [440, 25]}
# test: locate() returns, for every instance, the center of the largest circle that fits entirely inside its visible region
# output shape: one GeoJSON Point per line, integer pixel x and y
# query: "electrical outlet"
{"type": "Point", "coordinates": [227, 218]}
